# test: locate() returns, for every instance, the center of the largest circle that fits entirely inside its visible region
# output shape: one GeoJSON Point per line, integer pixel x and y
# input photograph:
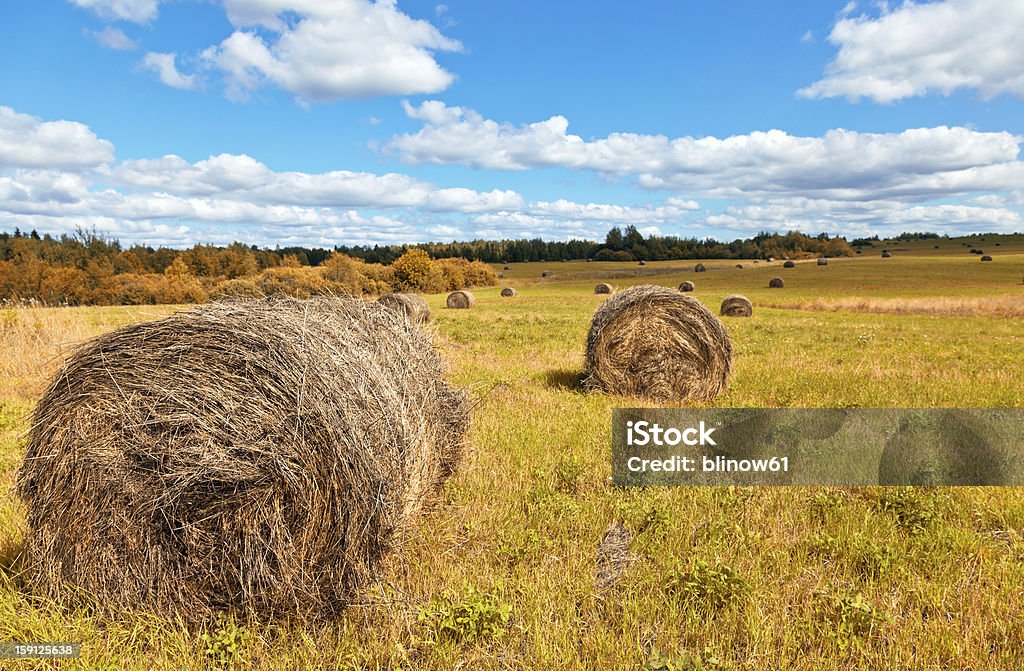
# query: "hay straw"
{"type": "Point", "coordinates": [461, 300]}
{"type": "Point", "coordinates": [656, 343]}
{"type": "Point", "coordinates": [260, 456]}
{"type": "Point", "coordinates": [604, 288]}
{"type": "Point", "coordinates": [413, 306]}
{"type": "Point", "coordinates": [736, 306]}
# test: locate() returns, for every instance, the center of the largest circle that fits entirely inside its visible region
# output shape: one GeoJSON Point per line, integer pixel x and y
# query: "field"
{"type": "Point", "coordinates": [500, 573]}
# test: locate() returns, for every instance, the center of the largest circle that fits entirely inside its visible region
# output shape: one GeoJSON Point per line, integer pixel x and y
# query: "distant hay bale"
{"type": "Point", "coordinates": [508, 292]}
{"type": "Point", "coordinates": [776, 283]}
{"type": "Point", "coordinates": [686, 286]}
{"type": "Point", "coordinates": [885, 254]}
{"type": "Point", "coordinates": [739, 266]}
{"type": "Point", "coordinates": [501, 276]}
{"type": "Point", "coordinates": [604, 288]}
{"type": "Point", "coordinates": [860, 251]}
{"type": "Point", "coordinates": [935, 247]}
{"type": "Point", "coordinates": [546, 273]}
{"type": "Point", "coordinates": [986, 258]}
{"type": "Point", "coordinates": [789, 264]}
{"type": "Point", "coordinates": [507, 268]}
{"type": "Point", "coordinates": [259, 456]}
{"type": "Point", "coordinates": [461, 300]}
{"type": "Point", "coordinates": [822, 262]}
{"type": "Point", "coordinates": [736, 306]}
{"type": "Point", "coordinates": [655, 343]}
{"type": "Point", "coordinates": [590, 260]}
{"type": "Point", "coordinates": [757, 261]}
{"type": "Point", "coordinates": [699, 268]}
{"type": "Point", "coordinates": [643, 263]}
{"type": "Point", "coordinates": [770, 259]}
{"type": "Point", "coordinates": [412, 306]}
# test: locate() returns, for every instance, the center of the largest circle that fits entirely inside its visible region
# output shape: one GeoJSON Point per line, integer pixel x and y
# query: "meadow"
{"type": "Point", "coordinates": [499, 573]}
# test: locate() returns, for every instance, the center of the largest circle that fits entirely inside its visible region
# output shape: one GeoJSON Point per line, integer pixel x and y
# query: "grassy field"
{"type": "Point", "coordinates": [500, 573]}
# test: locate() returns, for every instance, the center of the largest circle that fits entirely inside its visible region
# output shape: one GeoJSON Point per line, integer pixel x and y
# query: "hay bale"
{"type": "Point", "coordinates": [770, 259]}
{"type": "Point", "coordinates": [789, 264]}
{"type": "Point", "coordinates": [659, 344]}
{"type": "Point", "coordinates": [413, 306]}
{"type": "Point", "coordinates": [757, 261]}
{"type": "Point", "coordinates": [736, 306]}
{"type": "Point", "coordinates": [501, 276]}
{"type": "Point", "coordinates": [822, 262]}
{"type": "Point", "coordinates": [885, 254]}
{"type": "Point", "coordinates": [508, 292]}
{"type": "Point", "coordinates": [643, 263]}
{"type": "Point", "coordinates": [986, 258]}
{"type": "Point", "coordinates": [739, 266]}
{"type": "Point", "coordinates": [860, 251]}
{"type": "Point", "coordinates": [461, 300]}
{"type": "Point", "coordinates": [686, 286]}
{"type": "Point", "coordinates": [699, 268]}
{"type": "Point", "coordinates": [507, 268]}
{"type": "Point", "coordinates": [776, 283]}
{"type": "Point", "coordinates": [604, 288]}
{"type": "Point", "coordinates": [546, 273]}
{"type": "Point", "coordinates": [260, 456]}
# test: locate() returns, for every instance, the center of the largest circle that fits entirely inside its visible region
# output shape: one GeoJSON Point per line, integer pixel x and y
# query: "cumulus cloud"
{"type": "Point", "coordinates": [841, 164]}
{"type": "Point", "coordinates": [163, 64]}
{"type": "Point", "coordinates": [28, 142]}
{"type": "Point", "coordinates": [927, 47]}
{"type": "Point", "coordinates": [327, 50]}
{"type": "Point", "coordinates": [138, 11]}
{"type": "Point", "coordinates": [114, 38]}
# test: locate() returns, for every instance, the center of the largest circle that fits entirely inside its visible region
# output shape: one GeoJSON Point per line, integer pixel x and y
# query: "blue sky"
{"type": "Point", "coordinates": [347, 121]}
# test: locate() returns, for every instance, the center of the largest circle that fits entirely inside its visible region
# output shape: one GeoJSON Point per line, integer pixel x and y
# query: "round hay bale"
{"type": "Point", "coordinates": [643, 263]}
{"type": "Point", "coordinates": [739, 266]}
{"type": "Point", "coordinates": [413, 306]}
{"type": "Point", "coordinates": [822, 262]}
{"type": "Point", "coordinates": [501, 276]}
{"type": "Point", "coordinates": [546, 273]}
{"type": "Point", "coordinates": [776, 283]}
{"type": "Point", "coordinates": [770, 259]}
{"type": "Point", "coordinates": [699, 268]}
{"type": "Point", "coordinates": [655, 343]}
{"type": "Point", "coordinates": [604, 288]}
{"type": "Point", "coordinates": [508, 292]}
{"type": "Point", "coordinates": [935, 247]}
{"type": "Point", "coordinates": [736, 306]}
{"type": "Point", "coordinates": [757, 261]}
{"type": "Point", "coordinates": [686, 286]}
{"type": "Point", "coordinates": [986, 258]}
{"type": "Point", "coordinates": [789, 264]}
{"type": "Point", "coordinates": [507, 268]}
{"type": "Point", "coordinates": [461, 300]}
{"type": "Point", "coordinates": [860, 251]}
{"type": "Point", "coordinates": [259, 456]}
{"type": "Point", "coordinates": [590, 260]}
{"type": "Point", "coordinates": [886, 254]}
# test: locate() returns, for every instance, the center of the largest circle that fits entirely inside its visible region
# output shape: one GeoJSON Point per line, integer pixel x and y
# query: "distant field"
{"type": "Point", "coordinates": [802, 578]}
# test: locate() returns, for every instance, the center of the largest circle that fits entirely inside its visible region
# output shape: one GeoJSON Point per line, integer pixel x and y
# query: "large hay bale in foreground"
{"type": "Point", "coordinates": [461, 300]}
{"type": "Point", "coordinates": [699, 268]}
{"type": "Point", "coordinates": [604, 288]}
{"type": "Point", "coordinates": [789, 264]}
{"type": "Point", "coordinates": [659, 344]}
{"type": "Point", "coordinates": [253, 455]}
{"type": "Point", "coordinates": [736, 306]}
{"type": "Point", "coordinates": [776, 283]}
{"type": "Point", "coordinates": [413, 306]}
{"type": "Point", "coordinates": [508, 292]}
{"type": "Point", "coordinates": [686, 285]}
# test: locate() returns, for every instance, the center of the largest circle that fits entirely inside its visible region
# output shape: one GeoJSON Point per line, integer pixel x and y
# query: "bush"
{"type": "Point", "coordinates": [413, 270]}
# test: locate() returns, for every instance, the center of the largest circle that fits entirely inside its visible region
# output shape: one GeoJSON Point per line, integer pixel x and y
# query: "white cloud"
{"type": "Point", "coordinates": [28, 142]}
{"type": "Point", "coordinates": [323, 50]}
{"type": "Point", "coordinates": [914, 164]}
{"type": "Point", "coordinates": [807, 37]}
{"type": "Point", "coordinates": [674, 211]}
{"type": "Point", "coordinates": [138, 11]}
{"type": "Point", "coordinates": [114, 38]}
{"type": "Point", "coordinates": [164, 66]}
{"type": "Point", "coordinates": [925, 47]}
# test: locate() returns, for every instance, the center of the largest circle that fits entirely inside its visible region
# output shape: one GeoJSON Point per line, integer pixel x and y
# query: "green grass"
{"type": "Point", "coordinates": [499, 573]}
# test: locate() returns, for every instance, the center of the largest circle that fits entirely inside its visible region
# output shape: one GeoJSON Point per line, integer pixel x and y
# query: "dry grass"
{"type": "Point", "coordinates": [995, 306]}
{"type": "Point", "coordinates": [252, 455]}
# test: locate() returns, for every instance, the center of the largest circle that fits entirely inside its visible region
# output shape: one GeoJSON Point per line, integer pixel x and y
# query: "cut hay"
{"type": "Point", "coordinates": [546, 273]}
{"type": "Point", "coordinates": [885, 254]}
{"type": "Point", "coordinates": [604, 288]}
{"type": "Point", "coordinates": [259, 456]}
{"type": "Point", "coordinates": [413, 306]}
{"type": "Point", "coordinates": [776, 283]}
{"type": "Point", "coordinates": [686, 286]}
{"type": "Point", "coordinates": [612, 557]}
{"type": "Point", "coordinates": [986, 258]}
{"type": "Point", "coordinates": [789, 264]}
{"type": "Point", "coordinates": [655, 343]}
{"type": "Point", "coordinates": [508, 292]}
{"type": "Point", "coordinates": [822, 262]}
{"type": "Point", "coordinates": [736, 306]}
{"type": "Point", "coordinates": [699, 268]}
{"type": "Point", "coordinates": [461, 300]}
